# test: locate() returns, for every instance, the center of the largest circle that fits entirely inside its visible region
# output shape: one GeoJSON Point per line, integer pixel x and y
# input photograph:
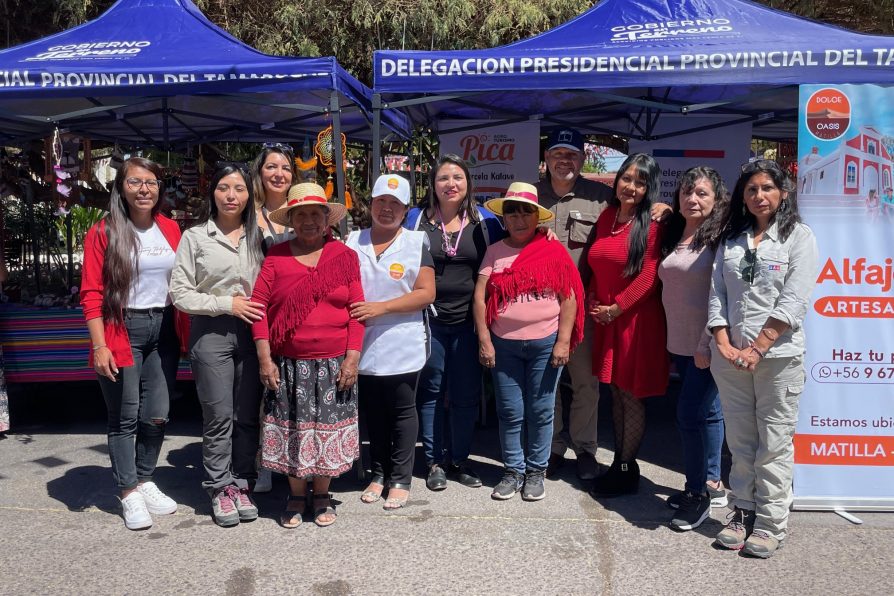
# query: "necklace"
{"type": "Point", "coordinates": [624, 226]}
{"type": "Point", "coordinates": [448, 249]}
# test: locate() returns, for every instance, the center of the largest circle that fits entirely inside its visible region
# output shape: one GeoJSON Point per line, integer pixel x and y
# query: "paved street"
{"type": "Point", "coordinates": [61, 532]}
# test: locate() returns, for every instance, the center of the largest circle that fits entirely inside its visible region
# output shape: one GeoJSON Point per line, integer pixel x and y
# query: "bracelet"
{"type": "Point", "coordinates": [755, 349]}
{"type": "Point", "coordinates": [99, 347]}
{"type": "Point", "coordinates": [770, 334]}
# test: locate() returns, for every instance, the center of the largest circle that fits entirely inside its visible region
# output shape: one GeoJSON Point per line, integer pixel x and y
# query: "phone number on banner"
{"type": "Point", "coordinates": [855, 372]}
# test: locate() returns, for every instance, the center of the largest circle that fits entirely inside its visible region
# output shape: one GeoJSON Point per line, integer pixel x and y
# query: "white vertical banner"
{"type": "Point", "coordinates": [498, 155]}
{"type": "Point", "coordinates": [844, 440]}
{"type": "Point", "coordinates": [724, 148]}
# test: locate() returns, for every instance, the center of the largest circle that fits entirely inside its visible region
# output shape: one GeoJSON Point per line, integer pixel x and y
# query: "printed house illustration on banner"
{"type": "Point", "coordinates": [859, 165]}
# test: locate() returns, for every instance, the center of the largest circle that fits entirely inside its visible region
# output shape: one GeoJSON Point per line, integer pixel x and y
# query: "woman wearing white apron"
{"type": "Point", "coordinates": [398, 278]}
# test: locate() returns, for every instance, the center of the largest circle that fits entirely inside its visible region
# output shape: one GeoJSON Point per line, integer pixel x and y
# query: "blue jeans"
{"type": "Point", "coordinates": [137, 402]}
{"type": "Point", "coordinates": [452, 369]}
{"type": "Point", "coordinates": [700, 420]}
{"type": "Point", "coordinates": [525, 385]}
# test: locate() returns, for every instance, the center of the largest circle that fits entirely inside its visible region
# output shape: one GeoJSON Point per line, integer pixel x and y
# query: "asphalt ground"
{"type": "Point", "coordinates": [61, 530]}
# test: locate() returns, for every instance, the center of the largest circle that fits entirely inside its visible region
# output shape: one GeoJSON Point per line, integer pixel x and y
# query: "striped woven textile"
{"type": "Point", "coordinates": [49, 345]}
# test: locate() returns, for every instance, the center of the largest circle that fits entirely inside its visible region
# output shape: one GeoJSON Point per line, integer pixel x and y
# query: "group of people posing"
{"type": "Point", "coordinates": [293, 335]}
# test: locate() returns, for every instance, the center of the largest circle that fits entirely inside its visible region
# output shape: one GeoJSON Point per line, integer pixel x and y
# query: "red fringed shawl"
{"type": "Point", "coordinates": [542, 264]}
{"type": "Point", "coordinates": [338, 266]}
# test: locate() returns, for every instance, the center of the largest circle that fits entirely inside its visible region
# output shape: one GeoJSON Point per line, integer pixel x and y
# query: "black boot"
{"type": "Point", "coordinates": [622, 478]}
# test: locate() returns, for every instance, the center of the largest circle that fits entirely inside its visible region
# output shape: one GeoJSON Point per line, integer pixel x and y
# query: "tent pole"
{"type": "Point", "coordinates": [337, 156]}
{"type": "Point", "coordinates": [412, 163]}
{"type": "Point", "coordinates": [376, 137]}
{"type": "Point", "coordinates": [35, 248]}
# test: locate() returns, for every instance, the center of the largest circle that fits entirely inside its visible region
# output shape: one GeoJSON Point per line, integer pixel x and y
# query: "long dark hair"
{"type": "Point", "coordinates": [258, 164]}
{"type": "Point", "coordinates": [786, 215]}
{"type": "Point", "coordinates": [646, 170]}
{"type": "Point", "coordinates": [710, 230]}
{"type": "Point", "coordinates": [253, 235]}
{"type": "Point", "coordinates": [120, 264]}
{"type": "Point", "coordinates": [468, 207]}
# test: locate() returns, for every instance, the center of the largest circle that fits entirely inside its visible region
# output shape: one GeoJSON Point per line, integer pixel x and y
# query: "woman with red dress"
{"type": "Point", "coordinates": [629, 343]}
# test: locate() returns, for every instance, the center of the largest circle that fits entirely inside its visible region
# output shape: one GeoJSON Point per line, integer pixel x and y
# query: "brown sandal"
{"type": "Point", "coordinates": [290, 518]}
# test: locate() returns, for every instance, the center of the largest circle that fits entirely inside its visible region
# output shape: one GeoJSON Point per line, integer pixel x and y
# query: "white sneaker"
{"type": "Point", "coordinates": [264, 483]}
{"type": "Point", "coordinates": [136, 516]}
{"type": "Point", "coordinates": [156, 501]}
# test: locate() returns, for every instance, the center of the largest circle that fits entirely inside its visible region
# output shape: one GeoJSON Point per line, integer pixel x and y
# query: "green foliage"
{"type": "Point", "coordinates": [82, 219]}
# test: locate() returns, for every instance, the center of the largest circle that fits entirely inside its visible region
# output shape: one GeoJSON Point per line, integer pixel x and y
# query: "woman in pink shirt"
{"type": "Point", "coordinates": [529, 316]}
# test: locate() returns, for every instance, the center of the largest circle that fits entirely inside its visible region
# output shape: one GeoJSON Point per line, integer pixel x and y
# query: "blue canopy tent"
{"type": "Point", "coordinates": [159, 73]}
{"type": "Point", "coordinates": [618, 67]}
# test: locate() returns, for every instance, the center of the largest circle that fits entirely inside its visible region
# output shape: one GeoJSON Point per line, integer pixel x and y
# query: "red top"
{"type": "Point", "coordinates": [95, 243]}
{"type": "Point", "coordinates": [307, 307]}
{"type": "Point", "coordinates": [630, 351]}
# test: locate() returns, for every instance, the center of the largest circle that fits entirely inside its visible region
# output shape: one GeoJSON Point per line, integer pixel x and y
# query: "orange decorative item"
{"type": "Point", "coordinates": [323, 150]}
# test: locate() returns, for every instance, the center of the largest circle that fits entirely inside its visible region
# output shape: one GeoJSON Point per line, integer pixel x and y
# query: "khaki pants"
{"type": "Point", "coordinates": [584, 401]}
{"type": "Point", "coordinates": [761, 409]}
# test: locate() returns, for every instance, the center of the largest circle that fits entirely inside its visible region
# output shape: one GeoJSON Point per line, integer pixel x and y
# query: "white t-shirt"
{"type": "Point", "coordinates": [155, 261]}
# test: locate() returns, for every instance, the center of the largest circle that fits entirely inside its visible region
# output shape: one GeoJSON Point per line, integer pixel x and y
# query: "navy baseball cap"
{"type": "Point", "coordinates": [565, 138]}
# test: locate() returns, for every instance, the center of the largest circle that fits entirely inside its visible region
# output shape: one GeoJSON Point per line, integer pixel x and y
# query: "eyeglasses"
{"type": "Point", "coordinates": [137, 184]}
{"type": "Point", "coordinates": [758, 164]}
{"type": "Point", "coordinates": [748, 265]}
{"type": "Point", "coordinates": [285, 148]}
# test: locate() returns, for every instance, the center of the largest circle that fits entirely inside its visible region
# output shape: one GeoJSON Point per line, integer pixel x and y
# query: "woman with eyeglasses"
{"type": "Point", "coordinates": [700, 213]}
{"type": "Point", "coordinates": [529, 316]}
{"type": "Point", "coordinates": [629, 341]}
{"type": "Point", "coordinates": [459, 232]}
{"type": "Point", "coordinates": [763, 275]}
{"type": "Point", "coordinates": [272, 173]}
{"type": "Point", "coordinates": [214, 274]}
{"type": "Point", "coordinates": [128, 259]}
{"type": "Point", "coordinates": [272, 177]}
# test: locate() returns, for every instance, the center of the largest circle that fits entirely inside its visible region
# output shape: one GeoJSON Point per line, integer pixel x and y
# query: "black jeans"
{"type": "Point", "coordinates": [137, 402]}
{"type": "Point", "coordinates": [225, 366]}
{"type": "Point", "coordinates": [388, 404]}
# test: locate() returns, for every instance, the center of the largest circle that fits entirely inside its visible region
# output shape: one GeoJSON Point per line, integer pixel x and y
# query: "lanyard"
{"type": "Point", "coordinates": [450, 250]}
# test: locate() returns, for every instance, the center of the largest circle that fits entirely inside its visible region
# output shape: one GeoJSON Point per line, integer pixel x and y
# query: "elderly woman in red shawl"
{"type": "Point", "coordinates": [308, 351]}
{"type": "Point", "coordinates": [529, 315]}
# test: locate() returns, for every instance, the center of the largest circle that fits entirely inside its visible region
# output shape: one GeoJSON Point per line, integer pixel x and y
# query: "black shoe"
{"type": "Point", "coordinates": [464, 475]}
{"type": "Point", "coordinates": [693, 510]}
{"type": "Point", "coordinates": [533, 489]}
{"type": "Point", "coordinates": [511, 483]}
{"type": "Point", "coordinates": [622, 478]}
{"type": "Point", "coordinates": [437, 479]}
{"type": "Point", "coordinates": [587, 468]}
{"type": "Point", "coordinates": [718, 497]}
{"type": "Point", "coordinates": [556, 461]}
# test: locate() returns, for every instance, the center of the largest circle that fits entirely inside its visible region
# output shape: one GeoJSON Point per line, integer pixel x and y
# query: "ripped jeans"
{"type": "Point", "coordinates": [137, 402]}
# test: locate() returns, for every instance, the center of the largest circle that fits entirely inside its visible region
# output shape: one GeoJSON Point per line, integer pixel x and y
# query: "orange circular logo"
{"type": "Point", "coordinates": [828, 114]}
{"type": "Point", "coordinates": [396, 271]}
{"type": "Point", "coordinates": [393, 183]}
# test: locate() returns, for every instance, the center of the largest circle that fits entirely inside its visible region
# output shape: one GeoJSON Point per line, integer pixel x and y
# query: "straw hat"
{"type": "Point", "coordinates": [302, 195]}
{"type": "Point", "coordinates": [521, 192]}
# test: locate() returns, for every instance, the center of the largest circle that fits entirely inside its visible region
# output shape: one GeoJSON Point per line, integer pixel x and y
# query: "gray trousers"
{"type": "Point", "coordinates": [225, 367]}
{"type": "Point", "coordinates": [582, 415]}
{"type": "Point", "coordinates": [761, 409]}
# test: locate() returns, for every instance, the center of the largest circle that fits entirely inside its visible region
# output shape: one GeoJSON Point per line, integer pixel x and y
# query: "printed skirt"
{"type": "Point", "coordinates": [309, 427]}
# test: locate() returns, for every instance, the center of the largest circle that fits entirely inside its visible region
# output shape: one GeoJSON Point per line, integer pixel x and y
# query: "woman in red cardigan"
{"type": "Point", "coordinates": [309, 351]}
{"type": "Point", "coordinates": [128, 258]}
{"type": "Point", "coordinates": [629, 352]}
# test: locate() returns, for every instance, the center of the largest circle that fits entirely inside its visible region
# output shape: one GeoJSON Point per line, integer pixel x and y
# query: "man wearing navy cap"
{"type": "Point", "coordinates": [576, 203]}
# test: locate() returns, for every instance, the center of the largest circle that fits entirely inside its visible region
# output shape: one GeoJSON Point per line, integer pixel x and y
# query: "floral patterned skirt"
{"type": "Point", "coordinates": [309, 427]}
